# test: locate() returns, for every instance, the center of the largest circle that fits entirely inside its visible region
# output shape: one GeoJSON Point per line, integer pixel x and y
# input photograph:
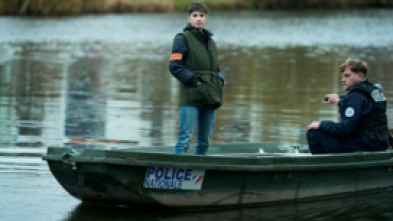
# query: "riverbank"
{"type": "Point", "coordinates": [75, 7]}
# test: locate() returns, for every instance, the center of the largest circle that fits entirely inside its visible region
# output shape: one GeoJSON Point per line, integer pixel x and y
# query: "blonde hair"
{"type": "Point", "coordinates": [356, 66]}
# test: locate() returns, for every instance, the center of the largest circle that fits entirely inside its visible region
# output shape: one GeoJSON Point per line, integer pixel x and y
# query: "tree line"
{"type": "Point", "coordinates": [74, 7]}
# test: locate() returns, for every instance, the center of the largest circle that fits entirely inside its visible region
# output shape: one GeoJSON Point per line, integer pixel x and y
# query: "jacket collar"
{"type": "Point", "coordinates": [203, 33]}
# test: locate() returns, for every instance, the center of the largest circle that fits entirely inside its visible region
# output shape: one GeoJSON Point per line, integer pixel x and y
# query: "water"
{"type": "Point", "coordinates": [36, 197]}
{"type": "Point", "coordinates": [106, 77]}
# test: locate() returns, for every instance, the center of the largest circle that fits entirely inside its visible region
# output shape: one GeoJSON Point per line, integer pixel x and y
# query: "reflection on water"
{"type": "Point", "coordinates": [364, 207]}
{"type": "Point", "coordinates": [97, 86]}
{"type": "Point", "coordinates": [55, 93]}
{"type": "Point", "coordinates": [32, 193]}
{"type": "Point", "coordinates": [59, 93]}
{"type": "Point", "coordinates": [106, 77]}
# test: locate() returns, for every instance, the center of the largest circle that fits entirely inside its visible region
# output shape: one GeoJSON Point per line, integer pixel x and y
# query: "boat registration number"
{"type": "Point", "coordinates": [174, 178]}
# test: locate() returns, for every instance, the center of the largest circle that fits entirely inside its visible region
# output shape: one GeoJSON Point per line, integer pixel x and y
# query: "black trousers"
{"type": "Point", "coordinates": [320, 142]}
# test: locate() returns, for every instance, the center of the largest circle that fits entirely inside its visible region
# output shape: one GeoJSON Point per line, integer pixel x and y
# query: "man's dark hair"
{"type": "Point", "coordinates": [200, 7]}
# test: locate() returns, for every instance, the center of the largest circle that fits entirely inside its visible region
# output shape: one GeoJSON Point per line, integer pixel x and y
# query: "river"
{"type": "Point", "coordinates": [106, 77]}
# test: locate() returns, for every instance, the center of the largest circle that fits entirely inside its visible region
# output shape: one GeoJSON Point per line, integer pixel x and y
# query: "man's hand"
{"type": "Point", "coordinates": [331, 99]}
{"type": "Point", "coordinates": [313, 125]}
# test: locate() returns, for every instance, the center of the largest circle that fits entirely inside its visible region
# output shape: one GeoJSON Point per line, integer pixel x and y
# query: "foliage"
{"type": "Point", "coordinates": [71, 7]}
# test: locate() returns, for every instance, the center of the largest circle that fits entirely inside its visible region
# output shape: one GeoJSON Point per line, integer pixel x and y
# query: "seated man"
{"type": "Point", "coordinates": [363, 124]}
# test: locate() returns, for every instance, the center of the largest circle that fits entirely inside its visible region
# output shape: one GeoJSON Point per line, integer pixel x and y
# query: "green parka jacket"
{"type": "Point", "coordinates": [202, 61]}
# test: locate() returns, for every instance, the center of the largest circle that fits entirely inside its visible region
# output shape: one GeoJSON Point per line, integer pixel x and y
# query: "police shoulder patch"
{"type": "Point", "coordinates": [349, 112]}
{"type": "Point", "coordinates": [378, 96]}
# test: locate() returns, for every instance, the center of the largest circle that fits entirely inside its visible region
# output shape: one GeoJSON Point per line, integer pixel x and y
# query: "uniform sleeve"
{"type": "Point", "coordinates": [176, 65]}
{"type": "Point", "coordinates": [352, 108]}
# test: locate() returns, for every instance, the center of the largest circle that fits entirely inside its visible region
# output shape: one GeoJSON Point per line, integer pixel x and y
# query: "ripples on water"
{"type": "Point", "coordinates": [106, 77]}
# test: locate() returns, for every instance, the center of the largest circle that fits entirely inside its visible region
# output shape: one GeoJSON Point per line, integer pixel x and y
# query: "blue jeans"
{"type": "Point", "coordinates": [189, 117]}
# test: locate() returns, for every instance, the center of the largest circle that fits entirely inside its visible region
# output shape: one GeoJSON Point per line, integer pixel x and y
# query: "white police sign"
{"type": "Point", "coordinates": [174, 178]}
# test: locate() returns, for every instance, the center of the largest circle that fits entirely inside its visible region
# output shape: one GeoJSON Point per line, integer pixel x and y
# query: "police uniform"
{"type": "Point", "coordinates": [362, 126]}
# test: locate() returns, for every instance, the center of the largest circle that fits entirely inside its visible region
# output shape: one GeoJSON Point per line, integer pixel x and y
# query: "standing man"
{"type": "Point", "coordinates": [194, 63]}
{"type": "Point", "coordinates": [363, 124]}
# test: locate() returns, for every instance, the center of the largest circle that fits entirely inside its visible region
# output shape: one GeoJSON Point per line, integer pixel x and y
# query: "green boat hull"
{"type": "Point", "coordinates": [233, 175]}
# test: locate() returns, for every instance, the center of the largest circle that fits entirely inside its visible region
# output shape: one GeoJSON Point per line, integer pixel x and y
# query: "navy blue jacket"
{"type": "Point", "coordinates": [352, 109]}
{"type": "Point", "coordinates": [177, 68]}
{"type": "Point", "coordinates": [348, 124]}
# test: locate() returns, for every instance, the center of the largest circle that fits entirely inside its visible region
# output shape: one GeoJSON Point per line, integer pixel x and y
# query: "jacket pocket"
{"type": "Point", "coordinates": [208, 92]}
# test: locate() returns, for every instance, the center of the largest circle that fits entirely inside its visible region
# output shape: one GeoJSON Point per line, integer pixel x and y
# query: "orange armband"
{"type": "Point", "coordinates": [176, 57]}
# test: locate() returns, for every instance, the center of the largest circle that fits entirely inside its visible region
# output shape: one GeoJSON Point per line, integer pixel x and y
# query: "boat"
{"type": "Point", "coordinates": [232, 175]}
